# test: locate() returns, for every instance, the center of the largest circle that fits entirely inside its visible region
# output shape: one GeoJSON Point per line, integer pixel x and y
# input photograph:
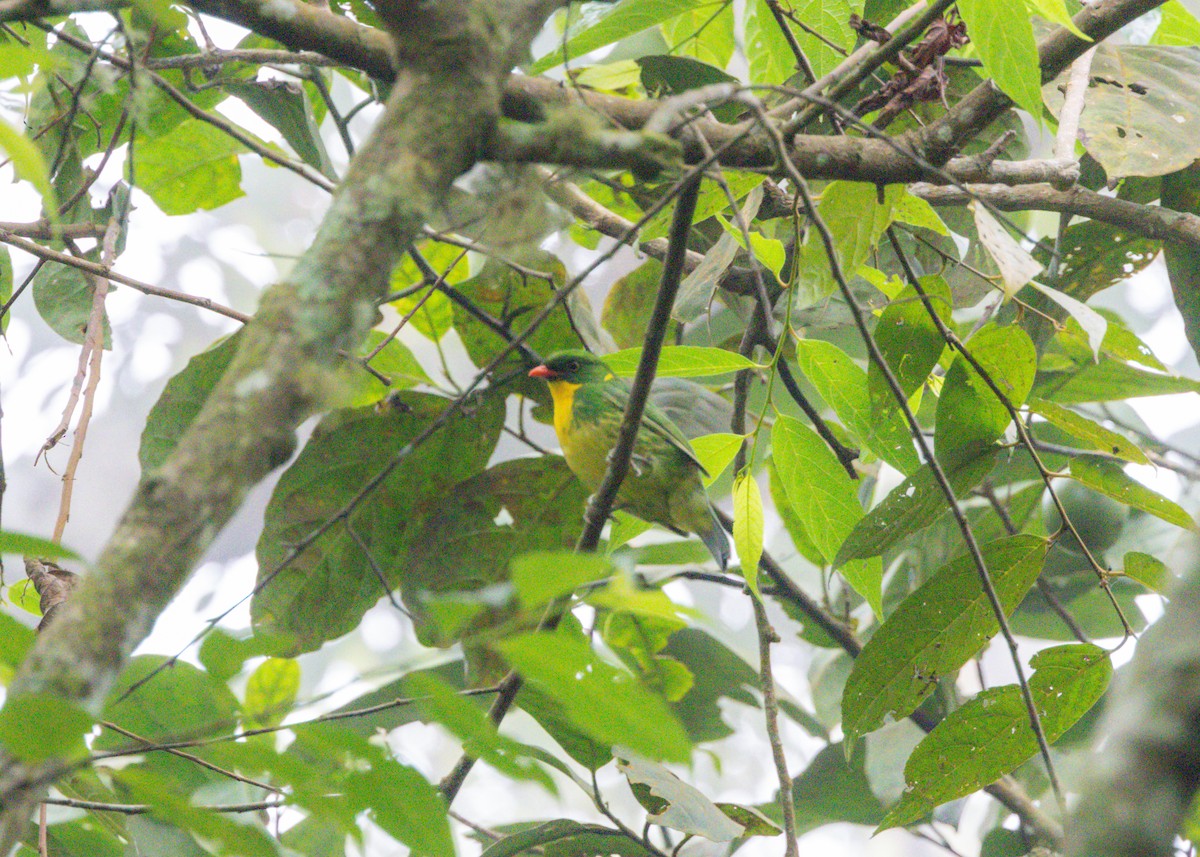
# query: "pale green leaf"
{"type": "Point", "coordinates": [748, 526]}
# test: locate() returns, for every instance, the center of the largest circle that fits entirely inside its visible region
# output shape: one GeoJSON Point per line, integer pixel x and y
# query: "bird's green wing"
{"type": "Point", "coordinates": [654, 420]}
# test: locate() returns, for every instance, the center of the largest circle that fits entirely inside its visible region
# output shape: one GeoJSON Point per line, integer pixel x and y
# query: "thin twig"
{"type": "Point", "coordinates": [767, 636]}
{"type": "Point", "coordinates": [102, 270]}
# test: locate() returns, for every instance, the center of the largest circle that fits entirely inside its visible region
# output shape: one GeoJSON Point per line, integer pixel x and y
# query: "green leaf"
{"type": "Point", "coordinates": [223, 655]}
{"type": "Point", "coordinates": [753, 822]}
{"type": "Point", "coordinates": [703, 35]}
{"type": "Point", "coordinates": [542, 576]}
{"type": "Point", "coordinates": [600, 700]}
{"type": "Point", "coordinates": [224, 832]}
{"type": "Point", "coordinates": [322, 593]}
{"type": "Point", "coordinates": [37, 727]}
{"type": "Point", "coordinates": [915, 503]}
{"type": "Point", "coordinates": [682, 361]}
{"type": "Point", "coordinates": [191, 168]}
{"type": "Point", "coordinates": [857, 217]}
{"type": "Point", "coordinates": [990, 735]}
{"type": "Point", "coordinates": [441, 703]}
{"type": "Point", "coordinates": [181, 400]}
{"type": "Point", "coordinates": [675, 804]}
{"type": "Point", "coordinates": [716, 452]}
{"type": "Point", "coordinates": [772, 60]}
{"type": "Point", "coordinates": [917, 212]}
{"type": "Point", "coordinates": [824, 498]}
{"type": "Point", "coordinates": [271, 692]}
{"type": "Point", "coordinates": [1179, 193]}
{"type": "Point", "coordinates": [719, 674]}
{"type": "Point", "coordinates": [629, 303]}
{"type": "Point", "coordinates": [1108, 478]}
{"type": "Point", "coordinates": [1107, 381]}
{"type": "Point", "coordinates": [834, 788]}
{"type": "Point", "coordinates": [748, 526]}
{"type": "Point", "coordinates": [178, 700]}
{"type": "Point", "coordinates": [1141, 107]}
{"type": "Point", "coordinates": [566, 838]}
{"type": "Point", "coordinates": [620, 20]}
{"type": "Point", "coordinates": [15, 640]}
{"type": "Point", "coordinates": [1003, 36]}
{"type": "Point", "coordinates": [1178, 26]}
{"type": "Point", "coordinates": [25, 544]}
{"type": "Point", "coordinates": [1150, 571]}
{"type": "Point", "coordinates": [63, 297]}
{"type": "Point", "coordinates": [1087, 430]}
{"type": "Point", "coordinates": [934, 631]}
{"type": "Point", "coordinates": [460, 555]}
{"type": "Point", "coordinates": [968, 412]}
{"type": "Point", "coordinates": [284, 105]}
{"type": "Point", "coordinates": [670, 75]}
{"type": "Point", "coordinates": [844, 387]}
{"type": "Point", "coordinates": [27, 160]}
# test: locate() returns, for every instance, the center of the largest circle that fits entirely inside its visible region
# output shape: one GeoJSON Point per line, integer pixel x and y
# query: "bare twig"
{"type": "Point", "coordinates": [767, 636]}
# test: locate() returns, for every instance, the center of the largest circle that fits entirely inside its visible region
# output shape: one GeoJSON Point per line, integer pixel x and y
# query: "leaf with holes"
{"type": "Point", "coordinates": [934, 631]}
{"type": "Point", "coordinates": [990, 735]}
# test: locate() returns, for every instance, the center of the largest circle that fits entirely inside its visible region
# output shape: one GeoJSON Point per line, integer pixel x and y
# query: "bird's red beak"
{"type": "Point", "coordinates": [543, 371]}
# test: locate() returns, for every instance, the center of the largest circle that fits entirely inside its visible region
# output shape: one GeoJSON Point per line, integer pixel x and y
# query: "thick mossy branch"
{"type": "Point", "coordinates": [575, 138]}
{"type": "Point", "coordinates": [445, 102]}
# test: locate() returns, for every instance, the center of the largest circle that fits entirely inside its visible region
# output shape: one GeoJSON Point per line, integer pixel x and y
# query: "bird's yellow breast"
{"type": "Point", "coordinates": [563, 394]}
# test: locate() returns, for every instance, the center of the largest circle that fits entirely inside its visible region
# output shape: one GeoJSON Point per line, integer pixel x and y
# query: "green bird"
{"type": "Point", "coordinates": [663, 484]}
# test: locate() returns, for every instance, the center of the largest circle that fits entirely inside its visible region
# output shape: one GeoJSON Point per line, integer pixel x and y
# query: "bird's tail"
{"type": "Point", "coordinates": [716, 541]}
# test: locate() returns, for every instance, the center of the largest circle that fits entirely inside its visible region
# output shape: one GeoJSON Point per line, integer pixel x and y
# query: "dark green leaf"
{"type": "Point", "coordinates": [629, 302]}
{"type": "Point", "coordinates": [990, 735]}
{"type": "Point", "coordinates": [599, 699]}
{"type": "Point", "coordinates": [935, 631]}
{"type": "Point", "coordinates": [1108, 478]}
{"type": "Point", "coordinates": [63, 297]}
{"type": "Point", "coordinates": [283, 105]}
{"type": "Point", "coordinates": [462, 548]}
{"type": "Point", "coordinates": [915, 503]}
{"type": "Point", "coordinates": [1180, 192]}
{"type": "Point", "coordinates": [323, 593]}
{"type": "Point", "coordinates": [719, 674]}
{"type": "Point", "coordinates": [181, 400]}
{"type": "Point", "coordinates": [857, 216]}
{"type": "Point", "coordinates": [575, 837]}
{"type": "Point", "coordinates": [833, 789]}
{"type": "Point", "coordinates": [670, 75]}
{"type": "Point", "coordinates": [968, 411]}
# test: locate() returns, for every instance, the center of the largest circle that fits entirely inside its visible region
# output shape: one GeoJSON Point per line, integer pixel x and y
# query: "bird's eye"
{"type": "Point", "coordinates": [573, 366]}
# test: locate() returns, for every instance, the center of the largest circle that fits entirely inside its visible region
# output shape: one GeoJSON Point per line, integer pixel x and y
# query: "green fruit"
{"type": "Point", "coordinates": [1098, 519]}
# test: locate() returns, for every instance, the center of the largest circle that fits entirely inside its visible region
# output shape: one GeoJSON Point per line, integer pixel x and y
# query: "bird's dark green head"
{"type": "Point", "coordinates": [573, 367]}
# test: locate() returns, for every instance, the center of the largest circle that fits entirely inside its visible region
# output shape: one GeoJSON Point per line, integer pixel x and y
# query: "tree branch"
{"type": "Point", "coordinates": [455, 63]}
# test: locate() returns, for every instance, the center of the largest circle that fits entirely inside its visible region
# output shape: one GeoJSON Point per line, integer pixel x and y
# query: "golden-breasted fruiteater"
{"type": "Point", "coordinates": [663, 483]}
